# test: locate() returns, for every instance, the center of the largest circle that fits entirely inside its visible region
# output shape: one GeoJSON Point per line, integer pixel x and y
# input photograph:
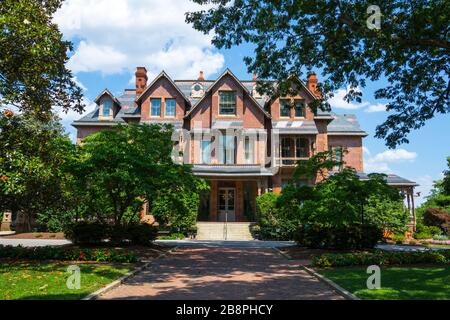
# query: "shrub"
{"type": "Point", "coordinates": [426, 232]}
{"type": "Point", "coordinates": [141, 234]}
{"type": "Point", "coordinates": [380, 257]}
{"type": "Point", "coordinates": [438, 218]}
{"type": "Point", "coordinates": [67, 254]}
{"type": "Point", "coordinates": [173, 236]}
{"type": "Point", "coordinates": [338, 237]}
{"type": "Point", "coordinates": [441, 237]}
{"type": "Point", "coordinates": [87, 232]}
{"type": "Point", "coordinates": [399, 238]}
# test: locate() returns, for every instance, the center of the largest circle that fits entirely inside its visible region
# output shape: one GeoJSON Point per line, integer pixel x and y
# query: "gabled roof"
{"type": "Point", "coordinates": [161, 75]}
{"type": "Point", "coordinates": [108, 93]}
{"type": "Point", "coordinates": [345, 124]}
{"type": "Point", "coordinates": [208, 90]}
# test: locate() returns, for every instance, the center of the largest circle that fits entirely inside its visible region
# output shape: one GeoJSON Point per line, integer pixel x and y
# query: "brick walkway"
{"type": "Point", "coordinates": [223, 273]}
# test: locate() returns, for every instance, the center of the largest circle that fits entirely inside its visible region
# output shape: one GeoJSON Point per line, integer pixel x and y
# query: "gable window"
{"type": "Point", "coordinates": [248, 150]}
{"type": "Point", "coordinates": [106, 107]}
{"type": "Point", "coordinates": [227, 102]}
{"type": "Point", "coordinates": [299, 106]}
{"type": "Point", "coordinates": [206, 151]}
{"type": "Point", "coordinates": [170, 107]}
{"type": "Point", "coordinates": [155, 106]}
{"type": "Point", "coordinates": [285, 108]}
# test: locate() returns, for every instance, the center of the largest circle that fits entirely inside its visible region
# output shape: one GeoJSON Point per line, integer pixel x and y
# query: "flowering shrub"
{"type": "Point", "coordinates": [380, 257]}
{"type": "Point", "coordinates": [67, 254]}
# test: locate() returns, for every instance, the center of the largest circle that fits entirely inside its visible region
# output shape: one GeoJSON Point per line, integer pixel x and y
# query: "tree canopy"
{"type": "Point", "coordinates": [410, 50]}
{"type": "Point", "coordinates": [33, 56]}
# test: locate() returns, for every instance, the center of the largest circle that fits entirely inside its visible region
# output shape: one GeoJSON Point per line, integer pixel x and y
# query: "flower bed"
{"type": "Point", "coordinates": [432, 241]}
{"type": "Point", "coordinates": [67, 254]}
{"type": "Point", "coordinates": [380, 257]}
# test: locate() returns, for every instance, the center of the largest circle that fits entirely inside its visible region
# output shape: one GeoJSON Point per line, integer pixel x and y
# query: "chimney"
{"type": "Point", "coordinates": [201, 77]}
{"type": "Point", "coordinates": [255, 76]}
{"type": "Point", "coordinates": [141, 79]}
{"type": "Point", "coordinates": [311, 83]}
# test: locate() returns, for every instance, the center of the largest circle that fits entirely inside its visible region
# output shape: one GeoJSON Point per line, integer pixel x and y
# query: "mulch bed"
{"type": "Point", "coordinates": [303, 253]}
{"type": "Point", "coordinates": [37, 235]}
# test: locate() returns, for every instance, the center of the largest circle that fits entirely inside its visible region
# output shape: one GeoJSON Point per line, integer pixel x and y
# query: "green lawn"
{"type": "Point", "coordinates": [396, 282]}
{"type": "Point", "coordinates": [34, 280]}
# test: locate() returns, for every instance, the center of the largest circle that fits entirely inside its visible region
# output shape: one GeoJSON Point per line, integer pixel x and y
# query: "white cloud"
{"type": "Point", "coordinates": [380, 162]}
{"type": "Point", "coordinates": [396, 155]}
{"type": "Point", "coordinates": [379, 107]}
{"type": "Point", "coordinates": [338, 102]}
{"type": "Point", "coordinates": [425, 185]}
{"type": "Point", "coordinates": [118, 35]}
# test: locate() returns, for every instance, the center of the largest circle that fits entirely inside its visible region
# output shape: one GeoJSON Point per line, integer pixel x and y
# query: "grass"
{"type": "Point", "coordinates": [46, 280]}
{"type": "Point", "coordinates": [440, 246]}
{"type": "Point", "coordinates": [397, 283]}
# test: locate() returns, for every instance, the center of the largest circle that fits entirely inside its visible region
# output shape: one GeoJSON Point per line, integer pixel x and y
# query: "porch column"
{"type": "Point", "coordinates": [213, 201]}
{"type": "Point", "coordinates": [413, 209]}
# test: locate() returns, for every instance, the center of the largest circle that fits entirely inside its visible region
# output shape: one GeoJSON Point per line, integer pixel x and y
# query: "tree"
{"type": "Point", "coordinates": [33, 154]}
{"type": "Point", "coordinates": [117, 169]}
{"type": "Point", "coordinates": [410, 50]}
{"type": "Point", "coordinates": [33, 57]}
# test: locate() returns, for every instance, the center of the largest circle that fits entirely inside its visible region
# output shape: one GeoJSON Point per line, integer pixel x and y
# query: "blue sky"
{"type": "Point", "coordinates": [112, 37]}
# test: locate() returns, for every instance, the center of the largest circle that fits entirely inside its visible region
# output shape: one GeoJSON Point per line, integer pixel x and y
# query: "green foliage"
{"type": "Point", "coordinates": [386, 213]}
{"type": "Point", "coordinates": [87, 232]}
{"type": "Point", "coordinates": [141, 234]}
{"type": "Point", "coordinates": [426, 232]}
{"type": "Point", "coordinates": [293, 37]}
{"type": "Point", "coordinates": [381, 258]}
{"type": "Point", "coordinates": [173, 236]}
{"type": "Point", "coordinates": [399, 238]}
{"type": "Point", "coordinates": [437, 218]}
{"type": "Point", "coordinates": [33, 159]}
{"type": "Point", "coordinates": [273, 220]}
{"type": "Point", "coordinates": [33, 57]}
{"type": "Point", "coordinates": [116, 169]}
{"type": "Point", "coordinates": [338, 237]}
{"type": "Point", "coordinates": [67, 254]}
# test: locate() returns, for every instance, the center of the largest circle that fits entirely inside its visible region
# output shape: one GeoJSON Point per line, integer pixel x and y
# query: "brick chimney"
{"type": "Point", "coordinates": [201, 77]}
{"type": "Point", "coordinates": [311, 83]}
{"type": "Point", "coordinates": [141, 79]}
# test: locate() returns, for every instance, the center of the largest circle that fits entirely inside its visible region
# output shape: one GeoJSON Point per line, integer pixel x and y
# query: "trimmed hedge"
{"type": "Point", "coordinates": [88, 233]}
{"type": "Point", "coordinates": [381, 257]}
{"type": "Point", "coordinates": [67, 254]}
{"type": "Point", "coordinates": [343, 237]}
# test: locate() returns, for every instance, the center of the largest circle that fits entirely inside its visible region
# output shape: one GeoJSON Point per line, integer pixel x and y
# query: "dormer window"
{"type": "Point", "coordinates": [155, 107]}
{"type": "Point", "coordinates": [107, 104]}
{"type": "Point", "coordinates": [197, 90]}
{"type": "Point", "coordinates": [227, 103]}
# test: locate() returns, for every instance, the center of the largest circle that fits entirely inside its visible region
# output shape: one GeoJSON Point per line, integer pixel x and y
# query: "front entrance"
{"type": "Point", "coordinates": [226, 204]}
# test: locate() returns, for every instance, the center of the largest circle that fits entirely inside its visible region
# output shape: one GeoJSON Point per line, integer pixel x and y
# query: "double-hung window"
{"type": "Point", "coordinates": [155, 107]}
{"type": "Point", "coordinates": [285, 108]}
{"type": "Point", "coordinates": [227, 103]}
{"type": "Point", "coordinates": [170, 107]}
{"type": "Point", "coordinates": [248, 149]}
{"type": "Point", "coordinates": [206, 151]}
{"type": "Point", "coordinates": [301, 148]}
{"type": "Point", "coordinates": [299, 106]}
{"type": "Point", "coordinates": [227, 149]}
{"type": "Point", "coordinates": [106, 107]}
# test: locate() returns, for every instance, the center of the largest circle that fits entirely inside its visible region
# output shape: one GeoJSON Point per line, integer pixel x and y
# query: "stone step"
{"type": "Point", "coordinates": [222, 231]}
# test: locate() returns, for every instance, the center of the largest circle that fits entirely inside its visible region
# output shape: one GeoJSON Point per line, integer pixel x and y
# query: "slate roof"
{"type": "Point", "coordinates": [391, 179]}
{"type": "Point", "coordinates": [295, 126]}
{"type": "Point", "coordinates": [345, 124]}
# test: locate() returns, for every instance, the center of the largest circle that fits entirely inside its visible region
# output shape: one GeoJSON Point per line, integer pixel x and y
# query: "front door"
{"type": "Point", "coordinates": [226, 204]}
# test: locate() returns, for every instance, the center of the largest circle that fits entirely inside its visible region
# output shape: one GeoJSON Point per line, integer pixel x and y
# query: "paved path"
{"type": "Point", "coordinates": [32, 242]}
{"type": "Point", "coordinates": [223, 273]}
{"type": "Point", "coordinates": [226, 243]}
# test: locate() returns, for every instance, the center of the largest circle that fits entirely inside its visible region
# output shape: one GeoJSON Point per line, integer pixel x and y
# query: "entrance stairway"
{"type": "Point", "coordinates": [224, 231]}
